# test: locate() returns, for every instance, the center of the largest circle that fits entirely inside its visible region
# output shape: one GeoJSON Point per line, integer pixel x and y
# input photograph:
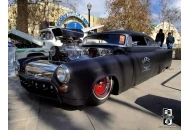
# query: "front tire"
{"type": "Point", "coordinates": [101, 91]}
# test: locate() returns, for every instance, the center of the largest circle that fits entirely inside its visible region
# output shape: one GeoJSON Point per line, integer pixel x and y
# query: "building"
{"type": "Point", "coordinates": [167, 27]}
{"type": "Point", "coordinates": [55, 15]}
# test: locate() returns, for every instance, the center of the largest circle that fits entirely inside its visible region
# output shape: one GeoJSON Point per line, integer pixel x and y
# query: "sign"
{"type": "Point", "coordinates": [74, 25]}
{"type": "Point", "coordinates": [121, 39]}
{"type": "Point", "coordinates": [71, 14]}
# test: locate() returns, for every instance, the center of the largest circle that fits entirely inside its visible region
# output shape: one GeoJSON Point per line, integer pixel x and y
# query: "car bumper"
{"type": "Point", "coordinates": [47, 88]}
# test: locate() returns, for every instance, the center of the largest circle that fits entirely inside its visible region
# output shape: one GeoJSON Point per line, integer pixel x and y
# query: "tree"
{"type": "Point", "coordinates": [167, 12]}
{"type": "Point", "coordinates": [42, 12]}
{"type": "Point", "coordinates": [22, 15]}
{"type": "Point", "coordinates": [31, 13]}
{"type": "Point", "coordinates": [128, 15]}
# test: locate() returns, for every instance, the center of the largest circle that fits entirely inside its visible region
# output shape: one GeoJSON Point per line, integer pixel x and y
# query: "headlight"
{"type": "Point", "coordinates": [63, 74]}
{"type": "Point", "coordinates": [52, 51]}
{"type": "Point", "coordinates": [17, 66]}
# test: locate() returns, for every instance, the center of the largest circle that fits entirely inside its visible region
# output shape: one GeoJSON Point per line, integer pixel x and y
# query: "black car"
{"type": "Point", "coordinates": [105, 63]}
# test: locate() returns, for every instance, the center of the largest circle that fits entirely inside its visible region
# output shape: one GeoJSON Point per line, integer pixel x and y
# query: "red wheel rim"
{"type": "Point", "coordinates": [102, 88]}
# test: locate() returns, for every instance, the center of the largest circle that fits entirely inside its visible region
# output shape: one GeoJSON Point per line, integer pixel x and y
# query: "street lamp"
{"type": "Point", "coordinates": [89, 6]}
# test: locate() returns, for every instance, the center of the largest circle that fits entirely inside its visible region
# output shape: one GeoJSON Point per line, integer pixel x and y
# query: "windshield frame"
{"type": "Point", "coordinates": [106, 41]}
{"type": "Point", "coordinates": [45, 32]}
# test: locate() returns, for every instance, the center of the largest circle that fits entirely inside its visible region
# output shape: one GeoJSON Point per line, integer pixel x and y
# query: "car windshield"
{"type": "Point", "coordinates": [46, 35]}
{"type": "Point", "coordinates": [105, 38]}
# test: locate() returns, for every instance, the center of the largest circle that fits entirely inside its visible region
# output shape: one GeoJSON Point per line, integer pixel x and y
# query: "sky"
{"type": "Point", "coordinates": [99, 10]}
{"type": "Point", "coordinates": [98, 7]}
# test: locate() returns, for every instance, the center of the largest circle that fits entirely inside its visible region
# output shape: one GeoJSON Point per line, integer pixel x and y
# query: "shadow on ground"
{"type": "Point", "coordinates": [163, 83]}
{"type": "Point", "coordinates": [52, 114]}
{"type": "Point", "coordinates": [155, 104]}
{"type": "Point", "coordinates": [126, 104]}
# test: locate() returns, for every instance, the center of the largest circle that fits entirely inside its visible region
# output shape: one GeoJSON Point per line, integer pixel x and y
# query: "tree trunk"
{"type": "Point", "coordinates": [22, 16]}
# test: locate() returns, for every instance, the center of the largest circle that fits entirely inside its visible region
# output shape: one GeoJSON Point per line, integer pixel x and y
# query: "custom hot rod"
{"type": "Point", "coordinates": [105, 63]}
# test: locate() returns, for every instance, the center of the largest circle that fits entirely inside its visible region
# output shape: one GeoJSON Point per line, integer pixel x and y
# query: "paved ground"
{"type": "Point", "coordinates": [139, 108]}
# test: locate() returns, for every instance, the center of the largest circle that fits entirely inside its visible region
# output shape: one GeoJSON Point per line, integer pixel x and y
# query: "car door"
{"type": "Point", "coordinates": [142, 58]}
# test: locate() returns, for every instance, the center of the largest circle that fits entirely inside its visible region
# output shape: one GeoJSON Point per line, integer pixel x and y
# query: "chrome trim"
{"type": "Point", "coordinates": [67, 73]}
{"type": "Point", "coordinates": [40, 69]}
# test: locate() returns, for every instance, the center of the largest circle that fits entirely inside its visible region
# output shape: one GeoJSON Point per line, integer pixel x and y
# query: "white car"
{"type": "Point", "coordinates": [26, 45]}
{"type": "Point", "coordinates": [54, 36]}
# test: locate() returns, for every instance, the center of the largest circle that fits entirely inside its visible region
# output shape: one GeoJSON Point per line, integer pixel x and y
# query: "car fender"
{"type": "Point", "coordinates": [84, 73]}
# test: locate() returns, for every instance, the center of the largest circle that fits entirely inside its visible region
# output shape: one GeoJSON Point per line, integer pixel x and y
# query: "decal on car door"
{"type": "Point", "coordinates": [145, 64]}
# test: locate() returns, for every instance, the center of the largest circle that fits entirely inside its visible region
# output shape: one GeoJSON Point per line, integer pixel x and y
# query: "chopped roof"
{"type": "Point", "coordinates": [130, 32]}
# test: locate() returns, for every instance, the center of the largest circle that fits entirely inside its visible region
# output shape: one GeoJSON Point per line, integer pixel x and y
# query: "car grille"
{"type": "Point", "coordinates": [39, 87]}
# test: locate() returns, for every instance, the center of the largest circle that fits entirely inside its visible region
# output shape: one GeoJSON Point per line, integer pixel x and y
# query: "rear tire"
{"type": "Point", "coordinates": [101, 91]}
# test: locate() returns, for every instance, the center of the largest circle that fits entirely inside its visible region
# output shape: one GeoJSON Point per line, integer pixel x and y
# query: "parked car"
{"type": "Point", "coordinates": [26, 45]}
{"type": "Point", "coordinates": [106, 63]}
{"type": "Point", "coordinates": [29, 46]}
{"type": "Point", "coordinates": [53, 36]}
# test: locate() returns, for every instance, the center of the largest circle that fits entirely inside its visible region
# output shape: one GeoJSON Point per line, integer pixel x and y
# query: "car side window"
{"type": "Point", "coordinates": [139, 40]}
{"type": "Point", "coordinates": [149, 41]}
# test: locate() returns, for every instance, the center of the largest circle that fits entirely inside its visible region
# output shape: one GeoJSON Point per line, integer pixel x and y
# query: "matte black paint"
{"type": "Point", "coordinates": [126, 68]}
{"type": "Point", "coordinates": [134, 66]}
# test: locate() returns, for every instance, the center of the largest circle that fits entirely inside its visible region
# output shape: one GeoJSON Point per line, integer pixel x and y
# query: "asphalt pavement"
{"type": "Point", "coordinates": [139, 108]}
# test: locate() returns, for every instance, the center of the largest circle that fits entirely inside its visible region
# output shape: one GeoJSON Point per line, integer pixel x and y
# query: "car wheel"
{"type": "Point", "coordinates": [101, 91]}
{"type": "Point", "coordinates": [56, 51]}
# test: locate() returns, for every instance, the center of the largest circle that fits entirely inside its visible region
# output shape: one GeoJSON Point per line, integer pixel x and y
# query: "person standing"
{"type": "Point", "coordinates": [160, 37]}
{"type": "Point", "coordinates": [170, 41]}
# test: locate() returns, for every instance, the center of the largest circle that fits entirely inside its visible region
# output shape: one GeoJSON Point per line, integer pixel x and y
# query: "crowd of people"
{"type": "Point", "coordinates": [170, 40]}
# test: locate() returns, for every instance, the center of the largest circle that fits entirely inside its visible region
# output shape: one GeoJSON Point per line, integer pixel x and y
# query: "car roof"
{"type": "Point", "coordinates": [129, 32]}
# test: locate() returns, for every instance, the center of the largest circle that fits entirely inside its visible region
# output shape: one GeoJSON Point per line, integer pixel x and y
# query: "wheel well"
{"type": "Point", "coordinates": [35, 54]}
{"type": "Point", "coordinates": [115, 90]}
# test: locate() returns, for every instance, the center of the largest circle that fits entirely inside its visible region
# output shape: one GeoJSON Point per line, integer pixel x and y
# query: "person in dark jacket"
{"type": "Point", "coordinates": [170, 41]}
{"type": "Point", "coordinates": [160, 37]}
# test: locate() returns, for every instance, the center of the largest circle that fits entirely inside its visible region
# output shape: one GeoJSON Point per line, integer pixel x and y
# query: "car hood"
{"type": "Point", "coordinates": [15, 34]}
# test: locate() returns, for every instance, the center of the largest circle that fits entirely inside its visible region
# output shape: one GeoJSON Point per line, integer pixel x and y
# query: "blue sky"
{"type": "Point", "coordinates": [98, 8]}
